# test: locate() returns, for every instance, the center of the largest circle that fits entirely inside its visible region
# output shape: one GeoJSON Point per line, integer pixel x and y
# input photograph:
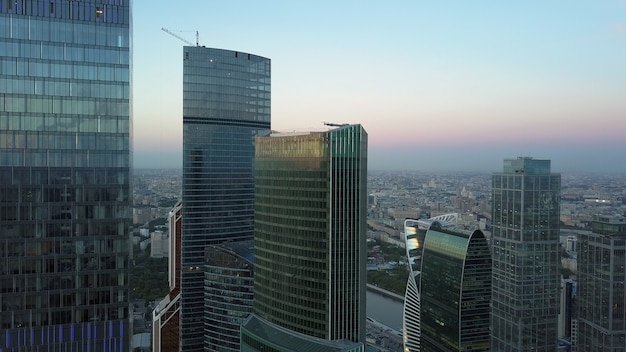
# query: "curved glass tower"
{"type": "Point", "coordinates": [415, 233]}
{"type": "Point", "coordinates": [226, 102]}
{"type": "Point", "coordinates": [455, 288]}
{"type": "Point", "coordinates": [310, 254]}
{"type": "Point", "coordinates": [65, 198]}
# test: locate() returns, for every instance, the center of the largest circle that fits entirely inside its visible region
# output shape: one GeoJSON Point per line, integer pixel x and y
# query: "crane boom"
{"type": "Point", "coordinates": [179, 37]}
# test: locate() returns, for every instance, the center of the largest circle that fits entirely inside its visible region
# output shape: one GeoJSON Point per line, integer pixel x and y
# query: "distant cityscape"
{"type": "Point", "coordinates": [397, 195]}
{"type": "Point", "coordinates": [265, 240]}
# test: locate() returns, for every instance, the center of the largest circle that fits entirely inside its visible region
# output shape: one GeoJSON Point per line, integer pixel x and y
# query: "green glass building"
{"type": "Point", "coordinates": [310, 238]}
{"type": "Point", "coordinates": [526, 256]}
{"type": "Point", "coordinates": [455, 290]}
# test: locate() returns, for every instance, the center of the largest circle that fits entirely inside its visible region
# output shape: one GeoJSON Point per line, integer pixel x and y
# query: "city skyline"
{"type": "Point", "coordinates": [455, 79]}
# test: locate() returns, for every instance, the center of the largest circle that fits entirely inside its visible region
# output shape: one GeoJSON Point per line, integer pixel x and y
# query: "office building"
{"type": "Point", "coordinates": [226, 102]}
{"type": "Point", "coordinates": [415, 233]}
{"type": "Point", "coordinates": [166, 315]}
{"type": "Point", "coordinates": [65, 198]}
{"type": "Point", "coordinates": [601, 296]}
{"type": "Point", "coordinates": [310, 242]}
{"type": "Point", "coordinates": [526, 256]}
{"type": "Point", "coordinates": [228, 293]}
{"type": "Point", "coordinates": [455, 283]}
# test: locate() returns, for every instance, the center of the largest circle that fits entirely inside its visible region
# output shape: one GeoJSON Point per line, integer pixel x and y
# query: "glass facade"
{"type": "Point", "coordinates": [310, 255]}
{"type": "Point", "coordinates": [415, 234]}
{"type": "Point", "coordinates": [526, 256]}
{"type": "Point", "coordinates": [226, 102]}
{"type": "Point", "coordinates": [65, 162]}
{"type": "Point", "coordinates": [601, 295]}
{"type": "Point", "coordinates": [455, 290]}
{"type": "Point", "coordinates": [228, 293]}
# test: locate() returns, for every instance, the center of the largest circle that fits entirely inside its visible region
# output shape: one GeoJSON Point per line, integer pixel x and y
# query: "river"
{"type": "Point", "coordinates": [384, 309]}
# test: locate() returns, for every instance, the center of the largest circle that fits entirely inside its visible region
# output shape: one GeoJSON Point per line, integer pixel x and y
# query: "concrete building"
{"type": "Point", "coordinates": [65, 196]}
{"type": "Point", "coordinates": [226, 102]}
{"type": "Point", "coordinates": [526, 256]}
{"type": "Point", "coordinates": [310, 242]}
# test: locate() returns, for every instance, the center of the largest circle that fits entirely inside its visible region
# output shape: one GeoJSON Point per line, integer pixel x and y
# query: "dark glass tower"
{"type": "Point", "coordinates": [226, 102]}
{"type": "Point", "coordinates": [310, 254]}
{"type": "Point", "coordinates": [601, 298]}
{"type": "Point", "coordinates": [526, 256]}
{"type": "Point", "coordinates": [415, 234]}
{"type": "Point", "coordinates": [228, 293]}
{"type": "Point", "coordinates": [64, 175]}
{"type": "Point", "coordinates": [455, 292]}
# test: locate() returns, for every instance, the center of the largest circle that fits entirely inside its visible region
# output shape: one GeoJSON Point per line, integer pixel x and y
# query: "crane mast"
{"type": "Point", "coordinates": [181, 38]}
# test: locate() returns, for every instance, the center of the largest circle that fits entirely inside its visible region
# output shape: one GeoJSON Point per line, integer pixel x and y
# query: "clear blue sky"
{"type": "Point", "coordinates": [438, 85]}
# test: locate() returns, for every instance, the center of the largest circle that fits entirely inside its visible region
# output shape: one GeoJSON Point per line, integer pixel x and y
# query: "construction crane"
{"type": "Point", "coordinates": [181, 38]}
{"type": "Point", "coordinates": [335, 124]}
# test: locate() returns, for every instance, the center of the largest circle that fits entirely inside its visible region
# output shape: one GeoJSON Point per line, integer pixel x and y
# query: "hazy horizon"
{"type": "Point", "coordinates": [437, 85]}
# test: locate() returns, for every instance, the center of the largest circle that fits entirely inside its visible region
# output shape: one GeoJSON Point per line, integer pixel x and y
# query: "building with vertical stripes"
{"type": "Point", "coordinates": [310, 242]}
{"type": "Point", "coordinates": [526, 256]}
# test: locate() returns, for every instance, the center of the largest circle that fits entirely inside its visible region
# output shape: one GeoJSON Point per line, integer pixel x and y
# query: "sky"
{"type": "Point", "coordinates": [438, 85]}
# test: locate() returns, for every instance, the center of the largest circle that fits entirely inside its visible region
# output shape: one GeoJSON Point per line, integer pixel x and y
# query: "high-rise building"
{"type": "Point", "coordinates": [226, 102]}
{"type": "Point", "coordinates": [166, 315]}
{"type": "Point", "coordinates": [228, 293]}
{"type": "Point", "coordinates": [455, 283]}
{"type": "Point", "coordinates": [415, 233]}
{"type": "Point", "coordinates": [65, 198]}
{"type": "Point", "coordinates": [310, 242]}
{"type": "Point", "coordinates": [526, 256]}
{"type": "Point", "coordinates": [601, 298]}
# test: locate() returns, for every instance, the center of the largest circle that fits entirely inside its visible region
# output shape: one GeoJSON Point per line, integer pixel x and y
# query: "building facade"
{"type": "Point", "coordinates": [455, 290]}
{"type": "Point", "coordinates": [65, 197]}
{"type": "Point", "coordinates": [310, 239]}
{"type": "Point", "coordinates": [228, 293]}
{"type": "Point", "coordinates": [601, 294]}
{"type": "Point", "coordinates": [415, 234]}
{"type": "Point", "coordinates": [226, 102]}
{"type": "Point", "coordinates": [526, 256]}
{"type": "Point", "coordinates": [166, 315]}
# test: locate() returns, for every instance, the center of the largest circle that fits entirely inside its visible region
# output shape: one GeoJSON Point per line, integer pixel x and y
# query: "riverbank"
{"type": "Point", "coordinates": [385, 293]}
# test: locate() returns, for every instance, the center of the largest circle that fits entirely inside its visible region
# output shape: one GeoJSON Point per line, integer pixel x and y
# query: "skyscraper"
{"type": "Point", "coordinates": [226, 102]}
{"type": "Point", "coordinates": [526, 256]}
{"type": "Point", "coordinates": [601, 297]}
{"type": "Point", "coordinates": [415, 234]}
{"type": "Point", "coordinates": [166, 315]}
{"type": "Point", "coordinates": [455, 290]}
{"type": "Point", "coordinates": [228, 293]}
{"type": "Point", "coordinates": [310, 242]}
{"type": "Point", "coordinates": [65, 199]}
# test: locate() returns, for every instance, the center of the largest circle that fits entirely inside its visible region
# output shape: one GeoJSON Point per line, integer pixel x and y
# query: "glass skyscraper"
{"type": "Point", "coordinates": [526, 256]}
{"type": "Point", "coordinates": [226, 102]}
{"type": "Point", "coordinates": [228, 293]}
{"type": "Point", "coordinates": [415, 234]}
{"type": "Point", "coordinates": [310, 232]}
{"type": "Point", "coordinates": [601, 298]}
{"type": "Point", "coordinates": [65, 163]}
{"type": "Point", "coordinates": [455, 292]}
